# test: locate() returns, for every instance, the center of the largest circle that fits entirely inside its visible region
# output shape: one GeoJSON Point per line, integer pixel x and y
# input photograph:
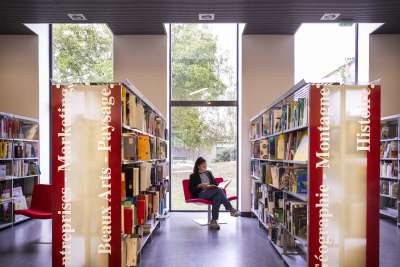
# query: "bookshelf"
{"type": "Point", "coordinates": [389, 168]}
{"type": "Point", "coordinates": [269, 195]}
{"type": "Point", "coordinates": [291, 172]}
{"type": "Point", "coordinates": [144, 170]}
{"type": "Point", "coordinates": [19, 165]}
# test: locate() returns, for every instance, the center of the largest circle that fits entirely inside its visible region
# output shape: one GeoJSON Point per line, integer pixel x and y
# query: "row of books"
{"type": "Point", "coordinates": [139, 211]}
{"type": "Point", "coordinates": [26, 150]}
{"type": "Point", "coordinates": [143, 147]}
{"type": "Point", "coordinates": [22, 168]}
{"type": "Point", "coordinates": [135, 180]}
{"type": "Point", "coordinates": [136, 115]}
{"type": "Point", "coordinates": [389, 169]}
{"type": "Point", "coordinates": [291, 146]}
{"type": "Point", "coordinates": [286, 220]}
{"type": "Point", "coordinates": [389, 149]}
{"type": "Point", "coordinates": [6, 149]}
{"type": "Point", "coordinates": [289, 115]}
{"type": "Point", "coordinates": [292, 179]}
{"type": "Point", "coordinates": [389, 188]}
{"type": "Point", "coordinates": [138, 217]}
{"type": "Point", "coordinates": [11, 127]}
{"type": "Point", "coordinates": [20, 201]}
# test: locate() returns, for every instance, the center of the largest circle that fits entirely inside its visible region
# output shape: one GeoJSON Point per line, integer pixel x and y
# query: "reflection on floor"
{"type": "Point", "coordinates": [180, 243]}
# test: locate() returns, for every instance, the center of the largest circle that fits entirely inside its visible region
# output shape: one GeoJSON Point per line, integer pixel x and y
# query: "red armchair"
{"type": "Point", "coordinates": [199, 201]}
{"type": "Point", "coordinates": [41, 203]}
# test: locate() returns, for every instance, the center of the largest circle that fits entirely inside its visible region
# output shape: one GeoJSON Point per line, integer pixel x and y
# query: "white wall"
{"type": "Point", "coordinates": [143, 60]}
{"type": "Point", "coordinates": [267, 72]}
{"type": "Point", "coordinates": [42, 31]}
{"type": "Point", "coordinates": [19, 88]}
{"type": "Point", "coordinates": [385, 65]}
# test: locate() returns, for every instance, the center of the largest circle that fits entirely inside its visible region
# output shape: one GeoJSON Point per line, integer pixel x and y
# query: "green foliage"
{"type": "Point", "coordinates": [196, 64]}
{"type": "Point", "coordinates": [82, 53]}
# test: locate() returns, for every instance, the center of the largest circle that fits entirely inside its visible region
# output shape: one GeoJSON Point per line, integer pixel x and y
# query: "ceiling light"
{"type": "Point", "coordinates": [77, 17]}
{"type": "Point", "coordinates": [330, 16]}
{"type": "Point", "coordinates": [206, 16]}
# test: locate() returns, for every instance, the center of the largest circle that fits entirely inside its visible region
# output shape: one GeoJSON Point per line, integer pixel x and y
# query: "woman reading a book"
{"type": "Point", "coordinates": [202, 185]}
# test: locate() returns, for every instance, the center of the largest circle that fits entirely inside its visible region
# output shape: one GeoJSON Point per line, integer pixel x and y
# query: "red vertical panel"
{"type": "Point", "coordinates": [114, 162]}
{"type": "Point", "coordinates": [373, 166]}
{"type": "Point", "coordinates": [57, 176]}
{"type": "Point", "coordinates": [314, 176]}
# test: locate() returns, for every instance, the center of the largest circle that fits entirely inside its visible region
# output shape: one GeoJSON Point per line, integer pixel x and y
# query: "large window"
{"type": "Point", "coordinates": [82, 53]}
{"type": "Point", "coordinates": [333, 52]}
{"type": "Point", "coordinates": [203, 103]}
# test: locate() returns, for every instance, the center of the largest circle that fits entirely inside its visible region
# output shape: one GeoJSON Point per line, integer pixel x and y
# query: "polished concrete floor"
{"type": "Point", "coordinates": [180, 243]}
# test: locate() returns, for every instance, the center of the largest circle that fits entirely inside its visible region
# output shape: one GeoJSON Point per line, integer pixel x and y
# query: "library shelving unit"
{"type": "Point", "coordinates": [301, 146]}
{"type": "Point", "coordinates": [113, 130]}
{"type": "Point", "coordinates": [19, 165]}
{"type": "Point", "coordinates": [149, 125]}
{"type": "Point", "coordinates": [389, 166]}
{"type": "Point", "coordinates": [269, 197]}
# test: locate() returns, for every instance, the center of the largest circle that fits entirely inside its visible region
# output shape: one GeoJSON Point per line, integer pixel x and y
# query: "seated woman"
{"type": "Point", "coordinates": [202, 185]}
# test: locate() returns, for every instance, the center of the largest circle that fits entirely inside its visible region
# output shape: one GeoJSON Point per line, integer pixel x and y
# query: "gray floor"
{"type": "Point", "coordinates": [180, 243]}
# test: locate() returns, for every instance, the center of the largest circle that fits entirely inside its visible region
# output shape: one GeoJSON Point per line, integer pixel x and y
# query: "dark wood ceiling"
{"type": "Point", "coordinates": [148, 16]}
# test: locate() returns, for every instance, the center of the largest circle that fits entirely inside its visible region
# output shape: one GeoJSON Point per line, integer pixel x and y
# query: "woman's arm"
{"type": "Point", "coordinates": [194, 183]}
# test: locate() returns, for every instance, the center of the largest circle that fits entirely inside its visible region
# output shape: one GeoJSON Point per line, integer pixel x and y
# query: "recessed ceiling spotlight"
{"type": "Point", "coordinates": [77, 17]}
{"type": "Point", "coordinates": [330, 16]}
{"type": "Point", "coordinates": [206, 16]}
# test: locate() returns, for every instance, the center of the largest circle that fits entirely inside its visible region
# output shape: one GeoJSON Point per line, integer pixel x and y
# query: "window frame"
{"type": "Point", "coordinates": [199, 103]}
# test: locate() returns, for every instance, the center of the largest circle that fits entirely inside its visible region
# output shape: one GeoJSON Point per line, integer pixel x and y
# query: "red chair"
{"type": "Point", "coordinates": [41, 205]}
{"type": "Point", "coordinates": [200, 201]}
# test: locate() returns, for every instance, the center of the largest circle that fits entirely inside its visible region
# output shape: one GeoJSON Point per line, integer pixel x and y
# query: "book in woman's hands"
{"type": "Point", "coordinates": [224, 184]}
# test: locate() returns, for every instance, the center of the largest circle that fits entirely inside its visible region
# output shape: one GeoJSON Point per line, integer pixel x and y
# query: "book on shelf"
{"type": "Point", "coordinates": [296, 218]}
{"type": "Point", "coordinates": [255, 149]}
{"type": "Point", "coordinates": [264, 149]}
{"type": "Point", "coordinates": [144, 147]}
{"type": "Point", "coordinates": [255, 168]}
{"type": "Point", "coordinates": [141, 209]}
{"type": "Point", "coordinates": [301, 153]}
{"type": "Point", "coordinates": [298, 182]}
{"type": "Point", "coordinates": [29, 131]}
{"type": "Point", "coordinates": [256, 129]}
{"type": "Point", "coordinates": [266, 124]}
{"type": "Point", "coordinates": [6, 149]}
{"type": "Point", "coordinates": [276, 115]}
{"type": "Point", "coordinates": [384, 187]}
{"type": "Point", "coordinates": [394, 190]}
{"type": "Point", "coordinates": [20, 201]}
{"type": "Point", "coordinates": [145, 176]}
{"type": "Point", "coordinates": [129, 147]}
{"type": "Point", "coordinates": [3, 170]}
{"type": "Point", "coordinates": [280, 147]}
{"type": "Point", "coordinates": [8, 127]}
{"type": "Point", "coordinates": [272, 148]}
{"type": "Point", "coordinates": [6, 212]}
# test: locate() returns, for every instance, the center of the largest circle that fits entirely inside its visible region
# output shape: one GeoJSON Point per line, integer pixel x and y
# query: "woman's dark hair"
{"type": "Point", "coordinates": [199, 161]}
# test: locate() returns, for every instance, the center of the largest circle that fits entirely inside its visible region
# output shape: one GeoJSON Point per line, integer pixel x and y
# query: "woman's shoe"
{"type": "Point", "coordinates": [213, 225]}
{"type": "Point", "coordinates": [234, 212]}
